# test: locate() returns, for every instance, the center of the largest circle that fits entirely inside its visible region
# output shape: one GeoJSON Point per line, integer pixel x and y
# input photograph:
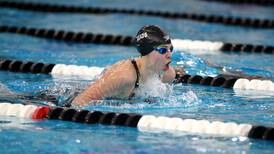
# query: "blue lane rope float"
{"type": "Point", "coordinates": [147, 123]}
{"type": "Point", "coordinates": [236, 21]}
{"type": "Point", "coordinates": [94, 72]}
{"type": "Point", "coordinates": [256, 2]}
{"type": "Point", "coordinates": [179, 44]}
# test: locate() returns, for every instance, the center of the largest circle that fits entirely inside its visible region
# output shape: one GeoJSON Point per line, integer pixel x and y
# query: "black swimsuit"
{"type": "Point", "coordinates": [137, 79]}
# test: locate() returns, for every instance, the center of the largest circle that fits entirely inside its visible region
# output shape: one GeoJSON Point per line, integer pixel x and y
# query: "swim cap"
{"type": "Point", "coordinates": [149, 37]}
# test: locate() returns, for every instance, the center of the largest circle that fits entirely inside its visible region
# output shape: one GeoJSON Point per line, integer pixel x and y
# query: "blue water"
{"type": "Point", "coordinates": [185, 101]}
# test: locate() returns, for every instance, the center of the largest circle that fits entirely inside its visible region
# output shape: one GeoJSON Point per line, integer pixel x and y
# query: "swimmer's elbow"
{"type": "Point", "coordinates": [79, 101]}
{"type": "Point", "coordinates": [83, 99]}
{"type": "Point", "coordinates": [82, 102]}
{"type": "Point", "coordinates": [94, 92]}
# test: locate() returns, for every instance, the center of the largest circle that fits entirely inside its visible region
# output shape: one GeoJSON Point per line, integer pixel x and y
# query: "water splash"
{"type": "Point", "coordinates": [152, 100]}
{"type": "Point", "coordinates": [154, 87]}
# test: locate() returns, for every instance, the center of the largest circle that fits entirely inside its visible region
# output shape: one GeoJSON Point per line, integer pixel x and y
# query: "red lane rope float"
{"type": "Point", "coordinates": [93, 72]}
{"type": "Point", "coordinates": [143, 122]}
{"type": "Point", "coordinates": [24, 111]}
{"type": "Point", "coordinates": [179, 44]}
{"type": "Point", "coordinates": [236, 21]}
{"type": "Point", "coordinates": [40, 112]}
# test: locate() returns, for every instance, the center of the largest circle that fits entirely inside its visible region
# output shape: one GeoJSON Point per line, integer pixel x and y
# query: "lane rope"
{"type": "Point", "coordinates": [254, 2]}
{"type": "Point", "coordinates": [144, 123]}
{"type": "Point", "coordinates": [52, 69]}
{"type": "Point", "coordinates": [179, 44]}
{"type": "Point", "coordinates": [57, 70]}
{"type": "Point", "coordinates": [229, 82]}
{"type": "Point", "coordinates": [229, 20]}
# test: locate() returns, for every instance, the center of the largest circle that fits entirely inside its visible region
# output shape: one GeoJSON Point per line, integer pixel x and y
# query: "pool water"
{"type": "Point", "coordinates": [185, 101]}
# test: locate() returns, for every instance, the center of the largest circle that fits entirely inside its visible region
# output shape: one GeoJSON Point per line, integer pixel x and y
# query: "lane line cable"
{"type": "Point", "coordinates": [253, 2]}
{"type": "Point", "coordinates": [227, 20]}
{"type": "Point", "coordinates": [57, 70]}
{"type": "Point", "coordinates": [143, 123]}
{"type": "Point", "coordinates": [179, 44]}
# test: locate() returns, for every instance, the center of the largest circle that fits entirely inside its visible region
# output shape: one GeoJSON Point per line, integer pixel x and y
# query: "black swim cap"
{"type": "Point", "coordinates": [149, 37]}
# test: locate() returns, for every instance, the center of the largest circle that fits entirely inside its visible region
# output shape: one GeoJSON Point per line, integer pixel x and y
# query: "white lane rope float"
{"type": "Point", "coordinates": [62, 69]}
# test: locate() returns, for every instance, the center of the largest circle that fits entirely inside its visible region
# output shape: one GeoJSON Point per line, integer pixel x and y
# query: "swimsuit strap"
{"type": "Point", "coordinates": [137, 73]}
{"type": "Point", "coordinates": [137, 80]}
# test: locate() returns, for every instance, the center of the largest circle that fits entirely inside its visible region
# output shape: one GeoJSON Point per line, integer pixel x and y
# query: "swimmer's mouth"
{"type": "Point", "coordinates": [167, 64]}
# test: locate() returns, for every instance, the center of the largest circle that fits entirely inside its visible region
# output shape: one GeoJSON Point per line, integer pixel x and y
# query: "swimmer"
{"type": "Point", "coordinates": [123, 78]}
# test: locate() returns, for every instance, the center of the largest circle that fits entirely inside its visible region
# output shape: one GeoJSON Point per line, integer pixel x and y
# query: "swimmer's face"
{"type": "Point", "coordinates": [162, 57]}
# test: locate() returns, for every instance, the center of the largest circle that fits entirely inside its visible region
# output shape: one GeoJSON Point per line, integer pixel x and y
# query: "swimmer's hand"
{"type": "Point", "coordinates": [179, 72]}
{"type": "Point", "coordinates": [168, 75]}
{"type": "Point", "coordinates": [172, 74]}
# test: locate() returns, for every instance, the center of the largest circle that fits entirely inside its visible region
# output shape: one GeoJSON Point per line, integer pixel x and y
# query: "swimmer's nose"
{"type": "Point", "coordinates": [168, 55]}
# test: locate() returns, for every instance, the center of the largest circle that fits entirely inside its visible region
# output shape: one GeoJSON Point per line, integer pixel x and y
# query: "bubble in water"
{"type": "Point", "coordinates": [154, 87]}
{"type": "Point", "coordinates": [191, 98]}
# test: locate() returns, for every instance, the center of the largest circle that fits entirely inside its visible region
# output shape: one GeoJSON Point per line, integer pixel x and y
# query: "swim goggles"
{"type": "Point", "coordinates": [163, 50]}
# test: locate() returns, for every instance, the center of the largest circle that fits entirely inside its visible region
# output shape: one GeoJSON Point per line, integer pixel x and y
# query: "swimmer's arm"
{"type": "Point", "coordinates": [89, 95]}
{"type": "Point", "coordinates": [102, 88]}
{"type": "Point", "coordinates": [172, 73]}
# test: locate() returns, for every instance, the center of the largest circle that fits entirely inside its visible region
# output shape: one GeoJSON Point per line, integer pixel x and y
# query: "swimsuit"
{"type": "Point", "coordinates": [137, 79]}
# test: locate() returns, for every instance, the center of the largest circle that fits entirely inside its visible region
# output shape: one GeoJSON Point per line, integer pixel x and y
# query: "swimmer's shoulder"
{"type": "Point", "coordinates": [121, 64]}
{"type": "Point", "coordinates": [123, 70]}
